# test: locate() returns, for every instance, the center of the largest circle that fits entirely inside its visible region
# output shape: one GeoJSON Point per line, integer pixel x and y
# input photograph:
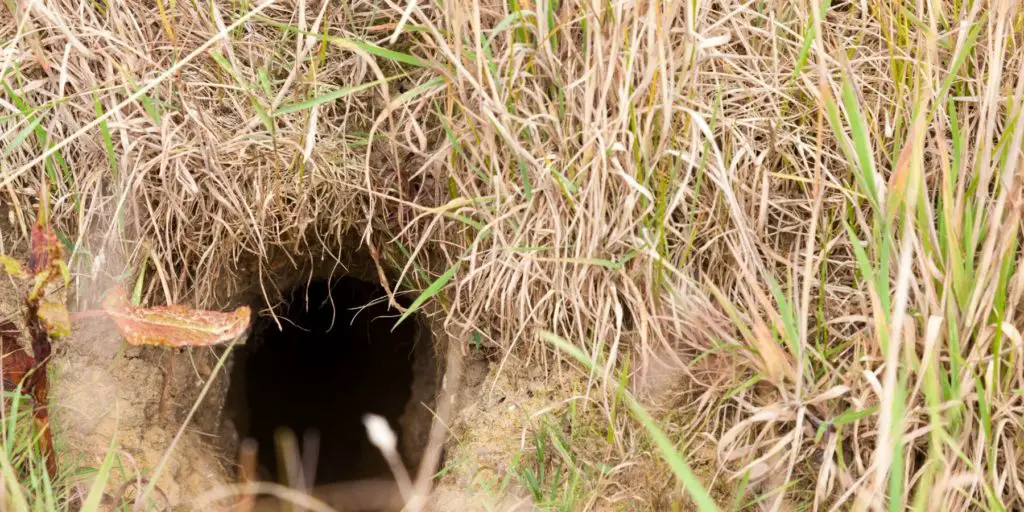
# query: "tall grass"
{"type": "Point", "coordinates": [799, 223]}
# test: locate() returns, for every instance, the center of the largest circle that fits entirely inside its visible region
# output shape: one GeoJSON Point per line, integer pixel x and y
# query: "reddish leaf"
{"type": "Point", "coordinates": [37, 382]}
{"type": "Point", "coordinates": [16, 361]}
{"type": "Point", "coordinates": [42, 423]}
{"type": "Point", "coordinates": [46, 248]}
{"type": "Point", "coordinates": [21, 369]}
{"type": "Point", "coordinates": [174, 326]}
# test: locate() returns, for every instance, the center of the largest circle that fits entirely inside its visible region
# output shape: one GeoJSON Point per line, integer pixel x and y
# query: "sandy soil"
{"type": "Point", "coordinates": [103, 388]}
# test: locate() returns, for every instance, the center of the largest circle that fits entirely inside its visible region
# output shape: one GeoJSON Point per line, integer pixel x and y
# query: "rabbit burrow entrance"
{"type": "Point", "coordinates": [334, 353]}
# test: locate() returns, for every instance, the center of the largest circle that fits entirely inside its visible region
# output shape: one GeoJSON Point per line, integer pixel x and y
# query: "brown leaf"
{"type": "Point", "coordinates": [16, 361]}
{"type": "Point", "coordinates": [42, 424]}
{"type": "Point", "coordinates": [17, 365]}
{"type": "Point", "coordinates": [42, 321]}
{"type": "Point", "coordinates": [46, 249]}
{"type": "Point", "coordinates": [174, 326]}
{"type": "Point", "coordinates": [776, 362]}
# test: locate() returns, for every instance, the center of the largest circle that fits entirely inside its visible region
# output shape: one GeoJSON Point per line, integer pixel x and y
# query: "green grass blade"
{"type": "Point", "coordinates": [99, 484]}
{"type": "Point", "coordinates": [331, 96]}
{"type": "Point", "coordinates": [667, 450]}
{"type": "Point", "coordinates": [378, 51]}
{"type": "Point", "coordinates": [431, 290]}
{"type": "Point", "coordinates": [108, 141]}
{"type": "Point", "coordinates": [570, 349]}
{"type": "Point", "coordinates": [14, 495]}
{"type": "Point", "coordinates": [19, 139]}
{"type": "Point", "coordinates": [860, 133]}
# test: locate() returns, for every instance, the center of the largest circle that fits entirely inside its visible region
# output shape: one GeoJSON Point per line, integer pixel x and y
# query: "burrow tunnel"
{"type": "Point", "coordinates": [337, 355]}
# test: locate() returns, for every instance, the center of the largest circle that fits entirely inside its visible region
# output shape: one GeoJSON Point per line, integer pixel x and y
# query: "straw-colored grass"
{"type": "Point", "coordinates": [794, 225]}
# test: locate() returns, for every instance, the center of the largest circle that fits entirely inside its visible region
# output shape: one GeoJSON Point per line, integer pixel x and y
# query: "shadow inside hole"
{"type": "Point", "coordinates": [335, 359]}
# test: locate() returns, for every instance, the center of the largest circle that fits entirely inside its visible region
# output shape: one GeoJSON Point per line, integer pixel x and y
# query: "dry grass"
{"type": "Point", "coordinates": [796, 227]}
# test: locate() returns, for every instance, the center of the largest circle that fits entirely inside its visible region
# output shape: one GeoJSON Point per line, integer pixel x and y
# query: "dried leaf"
{"type": "Point", "coordinates": [43, 321]}
{"type": "Point", "coordinates": [13, 267]}
{"type": "Point", "coordinates": [46, 260]}
{"type": "Point", "coordinates": [42, 424]}
{"type": "Point", "coordinates": [18, 364]}
{"type": "Point", "coordinates": [46, 247]}
{"type": "Point", "coordinates": [16, 361]}
{"type": "Point", "coordinates": [55, 318]}
{"type": "Point", "coordinates": [776, 364]}
{"type": "Point", "coordinates": [174, 326]}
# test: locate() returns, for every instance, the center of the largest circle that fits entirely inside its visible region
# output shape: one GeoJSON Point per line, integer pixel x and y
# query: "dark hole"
{"type": "Point", "coordinates": [335, 359]}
